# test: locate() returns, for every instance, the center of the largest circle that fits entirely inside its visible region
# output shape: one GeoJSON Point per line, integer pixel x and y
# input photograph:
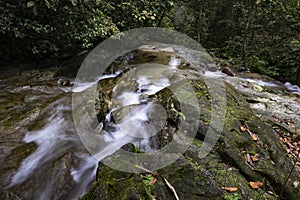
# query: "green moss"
{"type": "Point", "coordinates": [197, 143]}
{"type": "Point", "coordinates": [233, 196]}
{"type": "Point", "coordinates": [148, 180]}
{"type": "Point", "coordinates": [225, 165]}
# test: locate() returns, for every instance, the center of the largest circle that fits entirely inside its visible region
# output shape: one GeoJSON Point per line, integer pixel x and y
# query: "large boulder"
{"type": "Point", "coordinates": [248, 150]}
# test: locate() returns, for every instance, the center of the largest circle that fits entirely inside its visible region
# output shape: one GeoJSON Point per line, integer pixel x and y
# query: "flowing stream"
{"type": "Point", "coordinates": [58, 154]}
{"type": "Point", "coordinates": [133, 127]}
{"type": "Point", "coordinates": [294, 89]}
{"type": "Point", "coordinates": [60, 167]}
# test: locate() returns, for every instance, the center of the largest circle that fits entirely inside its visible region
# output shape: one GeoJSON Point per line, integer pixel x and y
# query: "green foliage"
{"type": "Point", "coordinates": [262, 66]}
{"type": "Point", "coordinates": [148, 180]}
{"type": "Point", "coordinates": [129, 14]}
{"type": "Point", "coordinates": [53, 27]}
{"type": "Point", "coordinates": [234, 196]}
{"type": "Point", "coordinates": [192, 18]}
{"type": "Point", "coordinates": [262, 35]}
{"type": "Point", "coordinates": [274, 37]}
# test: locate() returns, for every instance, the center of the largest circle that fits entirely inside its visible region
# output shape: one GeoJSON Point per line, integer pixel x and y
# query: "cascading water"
{"type": "Point", "coordinates": [61, 166]}
{"type": "Point", "coordinates": [289, 87]}
{"type": "Point", "coordinates": [133, 127]}
{"type": "Point", "coordinates": [292, 88]}
{"type": "Point", "coordinates": [59, 151]}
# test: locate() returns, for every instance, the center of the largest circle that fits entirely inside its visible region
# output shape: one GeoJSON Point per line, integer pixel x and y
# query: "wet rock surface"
{"type": "Point", "coordinates": [29, 100]}
{"type": "Point", "coordinates": [226, 165]}
{"type": "Point", "coordinates": [248, 150]}
{"type": "Point", "coordinates": [270, 100]}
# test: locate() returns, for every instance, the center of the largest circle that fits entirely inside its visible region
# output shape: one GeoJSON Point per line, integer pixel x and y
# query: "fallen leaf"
{"type": "Point", "coordinates": [230, 189]}
{"type": "Point", "coordinates": [153, 181]}
{"type": "Point", "coordinates": [295, 143]}
{"type": "Point", "coordinates": [276, 119]}
{"type": "Point", "coordinates": [255, 158]}
{"type": "Point", "coordinates": [272, 162]}
{"type": "Point", "coordinates": [290, 145]}
{"type": "Point", "coordinates": [254, 137]}
{"type": "Point", "coordinates": [288, 121]}
{"type": "Point", "coordinates": [243, 128]}
{"type": "Point", "coordinates": [255, 185]}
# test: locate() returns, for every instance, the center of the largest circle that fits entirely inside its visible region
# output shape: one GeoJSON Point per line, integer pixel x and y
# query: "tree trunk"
{"type": "Point", "coordinates": [298, 76]}
{"type": "Point", "coordinates": [199, 24]}
{"type": "Point", "coordinates": [248, 27]}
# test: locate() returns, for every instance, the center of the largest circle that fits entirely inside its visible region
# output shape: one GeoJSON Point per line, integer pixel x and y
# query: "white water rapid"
{"type": "Point", "coordinates": [61, 161]}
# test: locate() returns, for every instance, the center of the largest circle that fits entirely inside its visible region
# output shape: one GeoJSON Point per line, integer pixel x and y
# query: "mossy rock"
{"type": "Point", "coordinates": [16, 156]}
{"type": "Point", "coordinates": [225, 165]}
{"type": "Point", "coordinates": [189, 184]}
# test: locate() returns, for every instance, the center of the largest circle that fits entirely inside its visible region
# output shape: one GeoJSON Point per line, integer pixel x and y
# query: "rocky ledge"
{"type": "Point", "coordinates": [249, 161]}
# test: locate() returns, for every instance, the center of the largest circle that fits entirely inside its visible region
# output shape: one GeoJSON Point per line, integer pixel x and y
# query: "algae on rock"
{"type": "Point", "coordinates": [225, 165]}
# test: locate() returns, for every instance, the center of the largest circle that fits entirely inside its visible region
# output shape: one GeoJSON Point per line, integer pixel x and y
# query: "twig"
{"type": "Point", "coordinates": [172, 188]}
{"type": "Point", "coordinates": [154, 173]}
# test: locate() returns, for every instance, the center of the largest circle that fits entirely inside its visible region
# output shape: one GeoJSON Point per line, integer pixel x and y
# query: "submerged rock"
{"type": "Point", "coordinates": [228, 71]}
{"type": "Point", "coordinates": [63, 82]}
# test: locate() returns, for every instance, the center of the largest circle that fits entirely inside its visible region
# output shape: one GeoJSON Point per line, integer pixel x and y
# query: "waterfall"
{"type": "Point", "coordinates": [61, 161]}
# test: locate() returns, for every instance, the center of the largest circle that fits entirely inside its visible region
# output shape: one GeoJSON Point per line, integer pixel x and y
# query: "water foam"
{"type": "Point", "coordinates": [52, 143]}
{"type": "Point", "coordinates": [292, 88]}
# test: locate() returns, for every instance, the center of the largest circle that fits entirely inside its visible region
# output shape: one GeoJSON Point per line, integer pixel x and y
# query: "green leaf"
{"type": "Point", "coordinates": [30, 4]}
{"type": "Point", "coordinates": [34, 9]}
{"type": "Point", "coordinates": [47, 4]}
{"type": "Point", "coordinates": [181, 115]}
{"type": "Point", "coordinates": [74, 2]}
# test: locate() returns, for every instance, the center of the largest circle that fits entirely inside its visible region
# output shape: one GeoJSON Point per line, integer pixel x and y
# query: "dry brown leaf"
{"type": "Point", "coordinates": [243, 128]}
{"type": "Point", "coordinates": [230, 189]}
{"type": "Point", "coordinates": [272, 162]}
{"type": "Point", "coordinates": [254, 137]}
{"type": "Point", "coordinates": [290, 145]}
{"type": "Point", "coordinates": [255, 158]}
{"type": "Point", "coordinates": [295, 143]}
{"type": "Point", "coordinates": [288, 121]}
{"type": "Point", "coordinates": [153, 181]}
{"type": "Point", "coordinates": [276, 119]}
{"type": "Point", "coordinates": [255, 185]}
